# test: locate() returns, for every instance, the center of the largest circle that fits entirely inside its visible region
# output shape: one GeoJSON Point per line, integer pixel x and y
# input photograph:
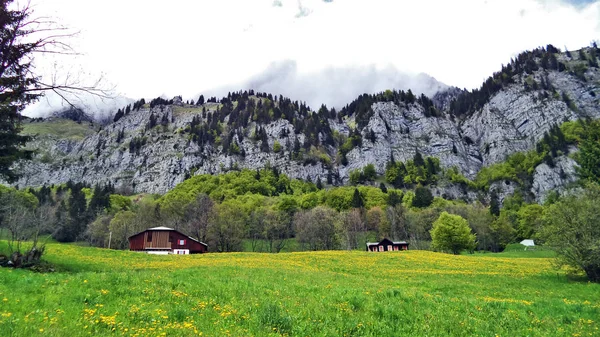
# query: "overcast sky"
{"type": "Point", "coordinates": [152, 48]}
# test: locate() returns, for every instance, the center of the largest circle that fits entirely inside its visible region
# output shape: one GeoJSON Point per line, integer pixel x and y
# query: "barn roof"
{"type": "Point", "coordinates": [162, 228]}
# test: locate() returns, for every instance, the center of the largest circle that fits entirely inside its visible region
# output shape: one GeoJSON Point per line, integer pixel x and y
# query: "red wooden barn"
{"type": "Point", "coordinates": [165, 240]}
{"type": "Point", "coordinates": [386, 245]}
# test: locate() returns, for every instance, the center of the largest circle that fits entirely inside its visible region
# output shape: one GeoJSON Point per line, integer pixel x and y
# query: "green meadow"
{"type": "Point", "coordinates": [102, 292]}
{"type": "Point", "coordinates": [60, 128]}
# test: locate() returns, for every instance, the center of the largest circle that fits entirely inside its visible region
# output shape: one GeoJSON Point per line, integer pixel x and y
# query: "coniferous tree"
{"type": "Point", "coordinates": [74, 218]}
{"type": "Point", "coordinates": [383, 188]}
{"type": "Point", "coordinates": [494, 203]}
{"type": "Point", "coordinates": [19, 86]}
{"type": "Point", "coordinates": [589, 154]}
{"type": "Point", "coordinates": [418, 159]}
{"type": "Point", "coordinates": [432, 168]}
{"type": "Point", "coordinates": [423, 197]}
{"type": "Point", "coordinates": [152, 122]}
{"type": "Point", "coordinates": [357, 199]}
{"type": "Point", "coordinates": [394, 198]}
{"type": "Point", "coordinates": [371, 135]}
{"type": "Point", "coordinates": [118, 115]}
{"type": "Point", "coordinates": [120, 135]}
{"type": "Point", "coordinates": [100, 199]}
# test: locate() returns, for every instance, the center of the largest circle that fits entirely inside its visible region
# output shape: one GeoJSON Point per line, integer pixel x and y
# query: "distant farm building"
{"type": "Point", "coordinates": [387, 245]}
{"type": "Point", "coordinates": [164, 240]}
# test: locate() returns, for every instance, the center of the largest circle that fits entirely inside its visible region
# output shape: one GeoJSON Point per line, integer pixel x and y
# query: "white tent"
{"type": "Point", "coordinates": [528, 243]}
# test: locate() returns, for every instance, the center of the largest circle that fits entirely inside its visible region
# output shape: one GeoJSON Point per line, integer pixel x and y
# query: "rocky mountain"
{"type": "Point", "coordinates": [154, 146]}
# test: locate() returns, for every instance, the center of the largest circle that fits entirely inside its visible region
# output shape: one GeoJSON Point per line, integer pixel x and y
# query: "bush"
{"type": "Point", "coordinates": [370, 172]}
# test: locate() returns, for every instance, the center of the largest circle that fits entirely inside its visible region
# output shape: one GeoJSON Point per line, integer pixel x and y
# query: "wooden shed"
{"type": "Point", "coordinates": [387, 245]}
{"type": "Point", "coordinates": [165, 240]}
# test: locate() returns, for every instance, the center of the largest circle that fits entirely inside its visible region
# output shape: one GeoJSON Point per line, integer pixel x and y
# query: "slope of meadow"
{"type": "Point", "coordinates": [337, 293]}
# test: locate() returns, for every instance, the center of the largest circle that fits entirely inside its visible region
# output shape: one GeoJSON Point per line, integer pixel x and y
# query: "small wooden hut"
{"type": "Point", "coordinates": [165, 240]}
{"type": "Point", "coordinates": [387, 245]}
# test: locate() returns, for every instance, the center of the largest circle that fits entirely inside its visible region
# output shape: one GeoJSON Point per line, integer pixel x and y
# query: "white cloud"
{"type": "Point", "coordinates": [334, 86]}
{"type": "Point", "coordinates": [148, 48]}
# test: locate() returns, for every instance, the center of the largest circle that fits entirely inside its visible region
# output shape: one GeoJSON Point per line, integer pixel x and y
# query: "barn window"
{"type": "Point", "coordinates": [389, 248]}
{"type": "Point", "coordinates": [149, 236]}
{"type": "Point", "coordinates": [381, 248]}
{"type": "Point", "coordinates": [170, 238]}
{"type": "Point", "coordinates": [395, 247]}
{"type": "Point", "coordinates": [181, 242]}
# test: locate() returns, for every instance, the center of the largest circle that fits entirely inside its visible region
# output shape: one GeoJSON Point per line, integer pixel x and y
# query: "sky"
{"type": "Point", "coordinates": [319, 51]}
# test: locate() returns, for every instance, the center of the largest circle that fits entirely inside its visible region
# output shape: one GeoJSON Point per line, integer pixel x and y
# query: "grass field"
{"type": "Point", "coordinates": [338, 293]}
{"type": "Point", "coordinates": [61, 128]}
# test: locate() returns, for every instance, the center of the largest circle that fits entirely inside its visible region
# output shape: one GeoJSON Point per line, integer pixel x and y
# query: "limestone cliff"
{"type": "Point", "coordinates": [514, 118]}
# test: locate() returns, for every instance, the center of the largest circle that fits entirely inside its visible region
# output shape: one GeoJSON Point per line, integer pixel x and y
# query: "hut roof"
{"type": "Point", "coordinates": [162, 228]}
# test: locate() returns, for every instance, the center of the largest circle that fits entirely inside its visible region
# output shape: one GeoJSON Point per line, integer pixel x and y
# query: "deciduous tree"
{"type": "Point", "coordinates": [452, 233]}
{"type": "Point", "coordinates": [572, 228]}
{"type": "Point", "coordinates": [351, 225]}
{"type": "Point", "coordinates": [315, 228]}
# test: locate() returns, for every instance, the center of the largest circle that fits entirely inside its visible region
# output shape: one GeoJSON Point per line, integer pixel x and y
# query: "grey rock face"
{"type": "Point", "coordinates": [546, 178]}
{"type": "Point", "coordinates": [404, 130]}
{"type": "Point", "coordinates": [513, 120]}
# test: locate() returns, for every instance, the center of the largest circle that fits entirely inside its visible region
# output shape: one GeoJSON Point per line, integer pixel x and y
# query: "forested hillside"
{"type": "Point", "coordinates": [266, 210]}
{"type": "Point", "coordinates": [256, 171]}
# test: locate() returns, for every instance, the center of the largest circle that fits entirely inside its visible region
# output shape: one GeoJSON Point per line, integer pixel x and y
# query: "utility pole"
{"type": "Point", "coordinates": [109, 239]}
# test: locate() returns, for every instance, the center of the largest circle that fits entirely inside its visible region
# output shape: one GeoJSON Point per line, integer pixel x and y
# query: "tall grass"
{"type": "Point", "coordinates": [415, 293]}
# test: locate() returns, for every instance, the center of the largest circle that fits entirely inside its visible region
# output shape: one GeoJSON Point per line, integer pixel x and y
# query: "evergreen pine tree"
{"type": "Point", "coordinates": [394, 198]}
{"type": "Point", "coordinates": [319, 183]}
{"type": "Point", "coordinates": [494, 203]}
{"type": "Point", "coordinates": [418, 159]}
{"type": "Point", "coordinates": [357, 199]}
{"type": "Point", "coordinates": [423, 197]}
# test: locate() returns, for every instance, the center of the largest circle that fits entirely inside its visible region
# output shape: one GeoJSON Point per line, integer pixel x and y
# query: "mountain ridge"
{"type": "Point", "coordinates": [155, 146]}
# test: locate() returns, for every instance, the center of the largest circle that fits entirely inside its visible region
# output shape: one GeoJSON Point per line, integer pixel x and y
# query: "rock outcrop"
{"type": "Point", "coordinates": [513, 119]}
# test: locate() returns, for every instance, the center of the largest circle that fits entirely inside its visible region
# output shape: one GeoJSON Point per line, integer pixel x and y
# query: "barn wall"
{"type": "Point", "coordinates": [160, 239]}
{"type": "Point", "coordinates": [137, 242]}
{"type": "Point", "coordinates": [385, 247]}
{"type": "Point", "coordinates": [164, 240]}
{"type": "Point", "coordinates": [192, 245]}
